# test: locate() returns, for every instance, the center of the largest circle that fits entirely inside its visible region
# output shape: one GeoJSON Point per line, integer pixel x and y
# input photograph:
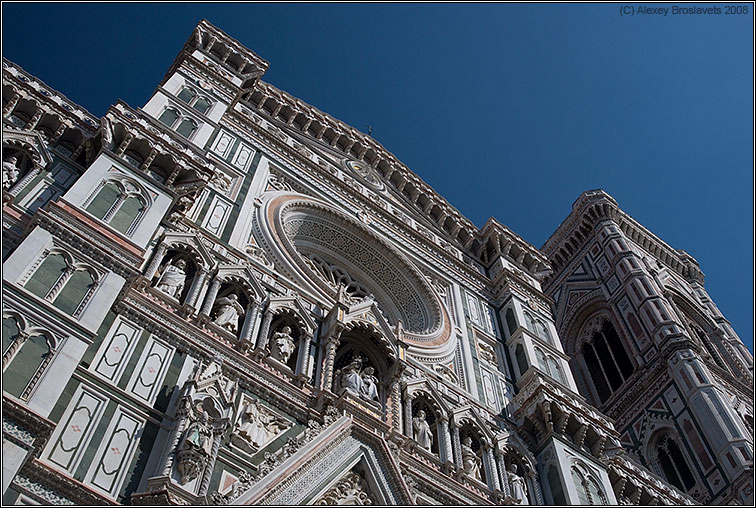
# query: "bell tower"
{"type": "Point", "coordinates": [650, 349]}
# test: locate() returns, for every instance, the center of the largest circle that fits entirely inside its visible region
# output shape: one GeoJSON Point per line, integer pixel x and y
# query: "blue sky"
{"type": "Point", "coordinates": [510, 110]}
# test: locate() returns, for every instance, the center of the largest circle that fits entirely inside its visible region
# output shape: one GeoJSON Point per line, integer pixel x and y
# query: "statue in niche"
{"type": "Point", "coordinates": [470, 461]}
{"type": "Point", "coordinates": [199, 435]}
{"type": "Point", "coordinates": [173, 278]}
{"type": "Point", "coordinates": [423, 434]}
{"type": "Point", "coordinates": [10, 172]}
{"type": "Point", "coordinates": [196, 447]}
{"type": "Point", "coordinates": [356, 380]}
{"type": "Point", "coordinates": [229, 310]}
{"type": "Point", "coordinates": [256, 426]}
{"type": "Point", "coordinates": [369, 388]}
{"type": "Point", "coordinates": [517, 485]}
{"type": "Point", "coordinates": [282, 345]}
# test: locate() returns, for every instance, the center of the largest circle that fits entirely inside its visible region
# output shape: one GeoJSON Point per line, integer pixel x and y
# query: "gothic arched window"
{"type": "Point", "coordinates": [673, 464]}
{"type": "Point", "coordinates": [11, 331]}
{"type": "Point", "coordinates": [191, 97]}
{"type": "Point", "coordinates": [121, 205]}
{"type": "Point", "coordinates": [186, 127]}
{"type": "Point", "coordinates": [607, 361]}
{"type": "Point", "coordinates": [21, 373]}
{"type": "Point", "coordinates": [60, 281]}
{"type": "Point", "coordinates": [511, 322]}
{"type": "Point", "coordinates": [588, 489]}
{"type": "Point", "coordinates": [169, 117]}
{"type": "Point", "coordinates": [538, 327]}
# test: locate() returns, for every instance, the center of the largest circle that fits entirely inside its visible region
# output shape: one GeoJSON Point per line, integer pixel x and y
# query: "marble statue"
{"type": "Point", "coordinates": [228, 312]}
{"type": "Point", "coordinates": [282, 345]}
{"type": "Point", "coordinates": [517, 485]}
{"type": "Point", "coordinates": [470, 461]}
{"type": "Point", "coordinates": [173, 278]}
{"type": "Point", "coordinates": [369, 388]}
{"type": "Point", "coordinates": [10, 172]}
{"type": "Point", "coordinates": [423, 434]}
{"type": "Point", "coordinates": [350, 377]}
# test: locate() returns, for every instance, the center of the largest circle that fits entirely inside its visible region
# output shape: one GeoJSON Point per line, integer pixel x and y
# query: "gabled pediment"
{"type": "Point", "coordinates": [311, 473]}
{"type": "Point", "coordinates": [203, 256]}
{"type": "Point", "coordinates": [244, 276]}
{"type": "Point", "coordinates": [29, 141]}
{"type": "Point", "coordinates": [293, 303]}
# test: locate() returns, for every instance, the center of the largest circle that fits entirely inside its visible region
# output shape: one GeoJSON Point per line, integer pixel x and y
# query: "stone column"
{"type": "Point", "coordinates": [457, 445]}
{"type": "Point", "coordinates": [60, 283]}
{"type": "Point", "coordinates": [114, 208]}
{"type": "Point", "coordinates": [156, 259]}
{"type": "Point", "coordinates": [210, 465]}
{"type": "Point", "coordinates": [262, 336]}
{"type": "Point", "coordinates": [245, 336]}
{"type": "Point", "coordinates": [305, 353]}
{"type": "Point", "coordinates": [330, 358]}
{"type": "Point", "coordinates": [212, 293]}
{"type": "Point", "coordinates": [537, 492]}
{"type": "Point", "coordinates": [14, 347]}
{"type": "Point", "coordinates": [503, 478]}
{"type": "Point", "coordinates": [408, 398]}
{"type": "Point", "coordinates": [173, 441]}
{"type": "Point", "coordinates": [493, 473]}
{"type": "Point", "coordinates": [396, 404]}
{"type": "Point", "coordinates": [196, 289]}
{"type": "Point", "coordinates": [445, 439]}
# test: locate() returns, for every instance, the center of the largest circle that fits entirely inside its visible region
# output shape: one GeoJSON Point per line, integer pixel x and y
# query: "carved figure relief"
{"type": "Point", "coordinates": [227, 312]}
{"type": "Point", "coordinates": [350, 490]}
{"type": "Point", "coordinates": [447, 372]}
{"type": "Point", "coordinates": [173, 278]}
{"type": "Point", "coordinates": [422, 431]}
{"type": "Point", "coordinates": [486, 352]}
{"type": "Point", "coordinates": [282, 345]}
{"type": "Point", "coordinates": [256, 426]}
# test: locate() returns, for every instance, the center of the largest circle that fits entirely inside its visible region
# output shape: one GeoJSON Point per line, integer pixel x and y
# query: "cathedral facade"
{"type": "Point", "coordinates": [228, 296]}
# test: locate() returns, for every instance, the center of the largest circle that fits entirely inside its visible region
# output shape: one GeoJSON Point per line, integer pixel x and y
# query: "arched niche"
{"type": "Point", "coordinates": [177, 270]}
{"type": "Point", "coordinates": [309, 239]}
{"type": "Point", "coordinates": [363, 353]}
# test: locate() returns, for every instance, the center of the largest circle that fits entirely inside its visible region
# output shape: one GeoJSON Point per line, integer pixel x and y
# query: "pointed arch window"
{"type": "Point", "coordinates": [67, 285]}
{"type": "Point", "coordinates": [186, 127]}
{"type": "Point", "coordinates": [120, 205]}
{"type": "Point", "coordinates": [607, 361]}
{"type": "Point", "coordinates": [26, 366]}
{"type": "Point", "coordinates": [673, 464]}
{"type": "Point", "coordinates": [511, 322]}
{"type": "Point", "coordinates": [549, 365]}
{"type": "Point", "coordinates": [538, 327]}
{"type": "Point", "coordinates": [588, 490]}
{"type": "Point", "coordinates": [198, 102]}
